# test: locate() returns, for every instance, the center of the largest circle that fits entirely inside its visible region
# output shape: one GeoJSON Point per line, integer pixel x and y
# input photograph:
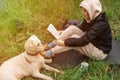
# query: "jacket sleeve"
{"type": "Point", "coordinates": [96, 29]}
{"type": "Point", "coordinates": [82, 25]}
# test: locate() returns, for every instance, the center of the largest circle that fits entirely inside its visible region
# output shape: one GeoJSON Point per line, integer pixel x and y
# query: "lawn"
{"type": "Point", "coordinates": [21, 18]}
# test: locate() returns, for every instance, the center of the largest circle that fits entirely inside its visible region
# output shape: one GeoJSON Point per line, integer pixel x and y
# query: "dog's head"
{"type": "Point", "coordinates": [33, 45]}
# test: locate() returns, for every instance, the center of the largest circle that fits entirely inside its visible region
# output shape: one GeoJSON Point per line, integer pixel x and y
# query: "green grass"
{"type": "Point", "coordinates": [21, 18]}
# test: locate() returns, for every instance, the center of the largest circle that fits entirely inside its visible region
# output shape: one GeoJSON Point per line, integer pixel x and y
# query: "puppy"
{"type": "Point", "coordinates": [27, 63]}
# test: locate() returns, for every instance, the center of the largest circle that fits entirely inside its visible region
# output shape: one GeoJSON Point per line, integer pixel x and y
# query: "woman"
{"type": "Point", "coordinates": [92, 38]}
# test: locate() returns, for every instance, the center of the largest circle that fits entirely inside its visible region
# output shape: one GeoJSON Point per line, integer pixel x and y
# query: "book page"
{"type": "Point", "coordinates": [53, 31]}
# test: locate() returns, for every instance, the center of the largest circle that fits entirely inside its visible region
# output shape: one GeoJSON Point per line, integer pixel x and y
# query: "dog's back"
{"type": "Point", "coordinates": [16, 67]}
{"type": "Point", "coordinates": [6, 75]}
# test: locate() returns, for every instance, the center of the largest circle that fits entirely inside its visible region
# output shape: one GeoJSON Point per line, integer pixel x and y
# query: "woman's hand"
{"type": "Point", "coordinates": [60, 31]}
{"type": "Point", "coordinates": [60, 42]}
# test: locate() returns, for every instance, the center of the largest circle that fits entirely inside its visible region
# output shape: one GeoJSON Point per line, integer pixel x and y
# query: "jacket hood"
{"type": "Point", "coordinates": [93, 7]}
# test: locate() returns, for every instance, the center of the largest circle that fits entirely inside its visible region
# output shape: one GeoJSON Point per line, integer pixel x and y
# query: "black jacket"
{"type": "Point", "coordinates": [98, 32]}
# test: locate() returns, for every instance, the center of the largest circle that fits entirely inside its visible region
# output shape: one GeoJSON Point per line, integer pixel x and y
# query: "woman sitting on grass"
{"type": "Point", "coordinates": [92, 38]}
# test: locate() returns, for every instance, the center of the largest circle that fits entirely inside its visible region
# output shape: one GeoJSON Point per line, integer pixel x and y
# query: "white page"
{"type": "Point", "coordinates": [53, 31]}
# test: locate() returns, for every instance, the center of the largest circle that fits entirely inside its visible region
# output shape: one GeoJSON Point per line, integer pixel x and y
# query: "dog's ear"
{"type": "Point", "coordinates": [29, 47]}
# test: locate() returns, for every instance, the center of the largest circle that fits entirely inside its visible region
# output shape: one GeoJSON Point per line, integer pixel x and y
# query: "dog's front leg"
{"type": "Point", "coordinates": [52, 69]}
{"type": "Point", "coordinates": [41, 76]}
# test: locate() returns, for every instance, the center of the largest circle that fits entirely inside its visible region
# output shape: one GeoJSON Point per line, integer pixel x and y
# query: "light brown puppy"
{"type": "Point", "coordinates": [27, 63]}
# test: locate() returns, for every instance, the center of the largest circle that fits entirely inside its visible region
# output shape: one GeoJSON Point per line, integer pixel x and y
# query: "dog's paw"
{"type": "Point", "coordinates": [50, 79]}
{"type": "Point", "coordinates": [48, 60]}
{"type": "Point", "coordinates": [61, 72]}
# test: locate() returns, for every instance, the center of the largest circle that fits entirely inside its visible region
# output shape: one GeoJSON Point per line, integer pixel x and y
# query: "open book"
{"type": "Point", "coordinates": [53, 31]}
